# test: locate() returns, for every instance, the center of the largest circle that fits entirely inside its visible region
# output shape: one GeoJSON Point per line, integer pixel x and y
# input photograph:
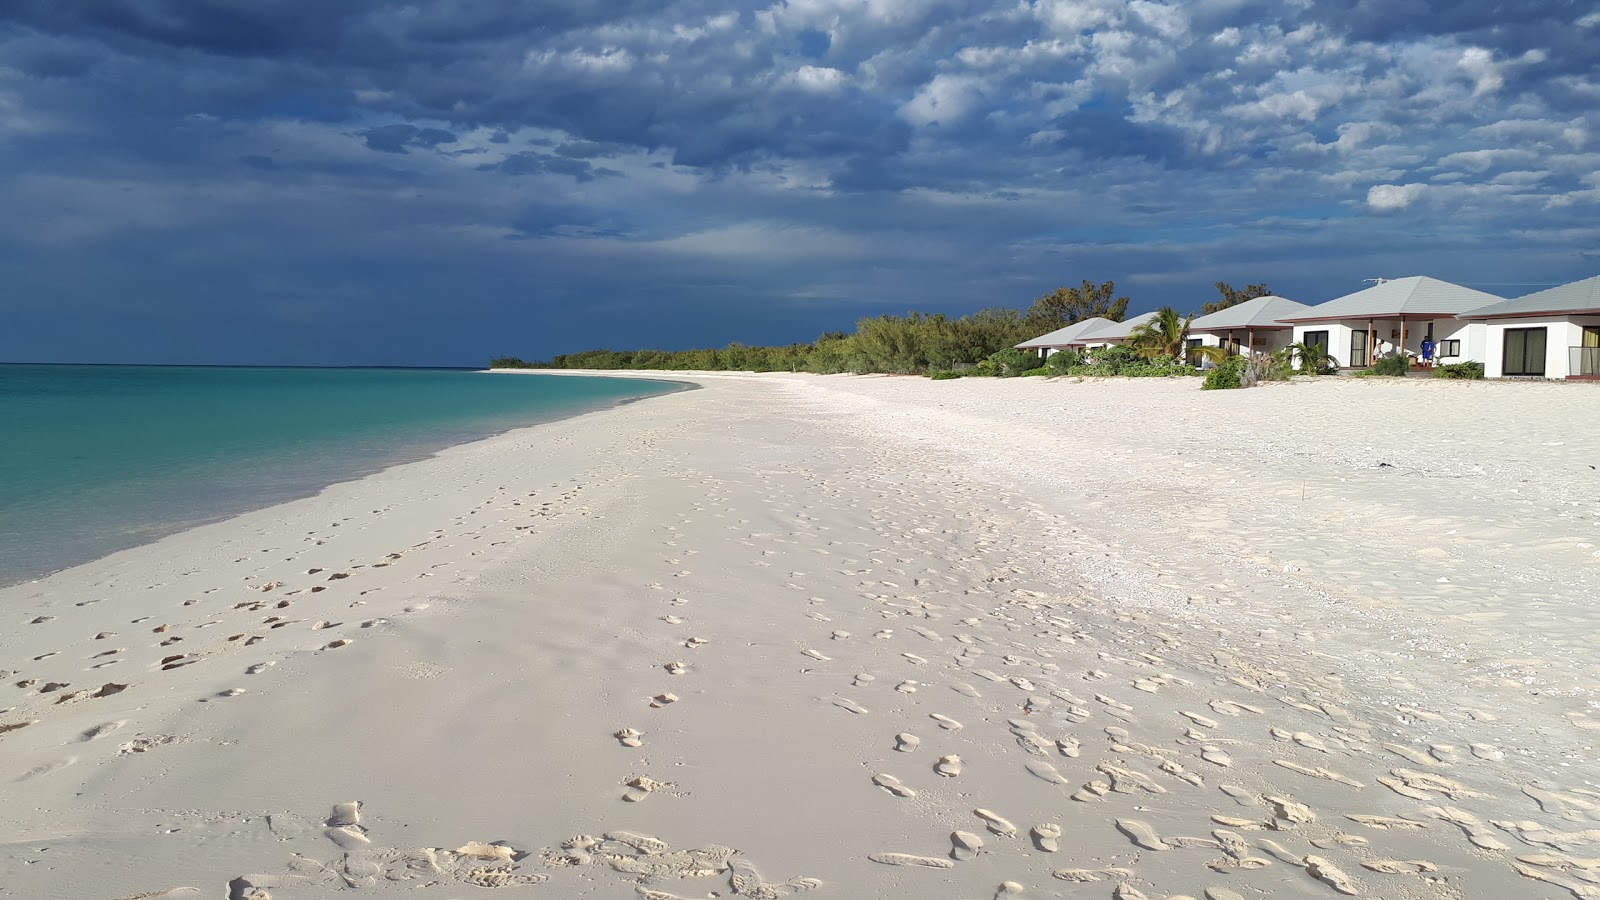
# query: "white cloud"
{"type": "Point", "coordinates": [945, 100]}
{"type": "Point", "coordinates": [1480, 66]}
{"type": "Point", "coordinates": [1393, 196]}
{"type": "Point", "coordinates": [818, 79]}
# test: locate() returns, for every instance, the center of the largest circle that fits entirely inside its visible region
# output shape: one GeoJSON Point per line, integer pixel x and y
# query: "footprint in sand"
{"type": "Point", "coordinates": [1142, 834]}
{"type": "Point", "coordinates": [893, 785]}
{"type": "Point", "coordinates": [1329, 874]}
{"type": "Point", "coordinates": [965, 845]}
{"type": "Point", "coordinates": [862, 680]}
{"type": "Point", "coordinates": [945, 722]}
{"type": "Point", "coordinates": [948, 766]}
{"type": "Point", "coordinates": [101, 730]}
{"type": "Point", "coordinates": [850, 706]}
{"type": "Point", "coordinates": [996, 823]}
{"type": "Point", "coordinates": [1045, 772]}
{"type": "Point", "coordinates": [906, 742]}
{"type": "Point", "coordinates": [1047, 837]}
{"type": "Point", "coordinates": [909, 859]}
{"type": "Point", "coordinates": [630, 737]}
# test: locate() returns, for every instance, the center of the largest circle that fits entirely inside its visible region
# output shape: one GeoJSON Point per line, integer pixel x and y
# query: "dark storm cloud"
{"type": "Point", "coordinates": [811, 160]}
{"type": "Point", "coordinates": [396, 138]}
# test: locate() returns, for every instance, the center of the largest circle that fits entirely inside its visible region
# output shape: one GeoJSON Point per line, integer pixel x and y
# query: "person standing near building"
{"type": "Point", "coordinates": [1427, 351]}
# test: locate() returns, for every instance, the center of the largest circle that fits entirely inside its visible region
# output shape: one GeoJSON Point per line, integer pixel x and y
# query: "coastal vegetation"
{"type": "Point", "coordinates": [980, 344]}
{"type": "Point", "coordinates": [915, 343]}
{"type": "Point", "coordinates": [1462, 370]}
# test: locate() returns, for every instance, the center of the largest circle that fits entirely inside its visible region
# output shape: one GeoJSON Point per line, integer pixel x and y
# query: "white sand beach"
{"type": "Point", "coordinates": [853, 637]}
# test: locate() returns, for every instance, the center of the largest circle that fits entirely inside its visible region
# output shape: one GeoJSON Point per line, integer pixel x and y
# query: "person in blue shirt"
{"type": "Point", "coordinates": [1427, 350]}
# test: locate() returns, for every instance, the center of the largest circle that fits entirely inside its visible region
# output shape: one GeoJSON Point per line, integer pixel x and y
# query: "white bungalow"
{"type": "Point", "coordinates": [1250, 327]}
{"type": "Point", "coordinates": [1110, 332]}
{"type": "Point", "coordinates": [1394, 317]}
{"type": "Point", "coordinates": [1553, 333]}
{"type": "Point", "coordinates": [1063, 338]}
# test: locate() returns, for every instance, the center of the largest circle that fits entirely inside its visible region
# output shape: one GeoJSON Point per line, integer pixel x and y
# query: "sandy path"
{"type": "Point", "coordinates": [872, 638]}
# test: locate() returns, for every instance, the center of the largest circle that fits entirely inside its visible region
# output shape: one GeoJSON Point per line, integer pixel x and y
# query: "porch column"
{"type": "Point", "coordinates": [1402, 335]}
{"type": "Point", "coordinates": [1252, 343]}
{"type": "Point", "coordinates": [1372, 346]}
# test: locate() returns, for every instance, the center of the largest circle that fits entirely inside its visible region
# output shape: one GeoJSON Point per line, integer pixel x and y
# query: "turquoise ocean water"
{"type": "Point", "coordinates": [95, 459]}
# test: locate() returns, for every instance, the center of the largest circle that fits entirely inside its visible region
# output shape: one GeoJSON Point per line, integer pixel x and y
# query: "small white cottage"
{"type": "Point", "coordinates": [1063, 338]}
{"type": "Point", "coordinates": [1251, 327]}
{"type": "Point", "coordinates": [1394, 317]}
{"type": "Point", "coordinates": [1111, 332]}
{"type": "Point", "coordinates": [1553, 333]}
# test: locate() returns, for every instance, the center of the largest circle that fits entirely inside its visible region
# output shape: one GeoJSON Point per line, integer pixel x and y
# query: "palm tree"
{"type": "Point", "coordinates": [1167, 335]}
{"type": "Point", "coordinates": [1313, 359]}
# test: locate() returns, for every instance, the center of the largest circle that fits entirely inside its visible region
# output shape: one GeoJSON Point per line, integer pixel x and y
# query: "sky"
{"type": "Point", "coordinates": [432, 183]}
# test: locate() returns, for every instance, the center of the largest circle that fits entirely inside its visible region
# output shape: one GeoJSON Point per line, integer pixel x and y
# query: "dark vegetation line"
{"type": "Point", "coordinates": [916, 343]}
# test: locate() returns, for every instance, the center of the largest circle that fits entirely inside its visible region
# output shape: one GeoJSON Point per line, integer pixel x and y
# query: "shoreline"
{"type": "Point", "coordinates": [1141, 637]}
{"type": "Point", "coordinates": [415, 451]}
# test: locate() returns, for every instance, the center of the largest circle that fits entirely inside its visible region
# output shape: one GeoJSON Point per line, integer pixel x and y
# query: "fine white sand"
{"type": "Point", "coordinates": [857, 637]}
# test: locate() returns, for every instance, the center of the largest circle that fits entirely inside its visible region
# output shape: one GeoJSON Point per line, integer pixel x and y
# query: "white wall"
{"type": "Point", "coordinates": [1562, 333]}
{"type": "Point", "coordinates": [1338, 337]}
{"type": "Point", "coordinates": [1386, 337]}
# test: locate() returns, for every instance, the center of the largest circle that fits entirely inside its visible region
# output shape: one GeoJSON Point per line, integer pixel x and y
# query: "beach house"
{"type": "Point", "coordinates": [1063, 338]}
{"type": "Point", "coordinates": [1553, 333]}
{"type": "Point", "coordinates": [1250, 327]}
{"type": "Point", "coordinates": [1395, 316]}
{"type": "Point", "coordinates": [1111, 332]}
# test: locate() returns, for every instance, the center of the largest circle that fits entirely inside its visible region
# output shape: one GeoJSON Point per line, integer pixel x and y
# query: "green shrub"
{"type": "Point", "coordinates": [1011, 362]}
{"type": "Point", "coordinates": [1394, 364]}
{"type": "Point", "coordinates": [1120, 359]}
{"type": "Point", "coordinates": [1039, 371]}
{"type": "Point", "coordinates": [1059, 362]}
{"type": "Point", "coordinates": [1226, 375]}
{"type": "Point", "coordinates": [1469, 370]}
{"type": "Point", "coordinates": [946, 375]}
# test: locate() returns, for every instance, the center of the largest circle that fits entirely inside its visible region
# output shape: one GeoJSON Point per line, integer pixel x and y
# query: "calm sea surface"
{"type": "Point", "coordinates": [95, 459]}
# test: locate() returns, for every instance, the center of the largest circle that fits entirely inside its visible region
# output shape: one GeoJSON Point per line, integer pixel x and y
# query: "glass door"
{"type": "Point", "coordinates": [1524, 351]}
{"type": "Point", "coordinates": [1588, 353]}
{"type": "Point", "coordinates": [1358, 349]}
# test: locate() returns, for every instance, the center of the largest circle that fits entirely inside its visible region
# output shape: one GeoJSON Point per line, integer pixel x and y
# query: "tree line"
{"type": "Point", "coordinates": [914, 343]}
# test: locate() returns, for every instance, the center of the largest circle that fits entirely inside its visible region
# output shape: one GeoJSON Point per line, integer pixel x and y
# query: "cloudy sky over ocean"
{"type": "Point", "coordinates": [307, 181]}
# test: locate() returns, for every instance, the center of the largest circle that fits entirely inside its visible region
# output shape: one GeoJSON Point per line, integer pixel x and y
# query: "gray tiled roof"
{"type": "Point", "coordinates": [1114, 331]}
{"type": "Point", "coordinates": [1262, 312]}
{"type": "Point", "coordinates": [1579, 296]}
{"type": "Point", "coordinates": [1414, 296]}
{"type": "Point", "coordinates": [1062, 337]}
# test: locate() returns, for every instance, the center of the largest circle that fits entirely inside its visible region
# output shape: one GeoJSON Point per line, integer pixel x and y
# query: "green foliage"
{"type": "Point", "coordinates": [946, 375]}
{"type": "Point", "coordinates": [1163, 335]}
{"type": "Point", "coordinates": [1231, 297]}
{"type": "Point", "coordinates": [1011, 362]}
{"type": "Point", "coordinates": [1309, 359]}
{"type": "Point", "coordinates": [1468, 370]}
{"type": "Point", "coordinates": [1123, 360]}
{"type": "Point", "coordinates": [1394, 364]}
{"type": "Point", "coordinates": [1060, 361]}
{"type": "Point", "coordinates": [1277, 366]}
{"type": "Point", "coordinates": [913, 343]}
{"type": "Point", "coordinates": [1227, 374]}
{"type": "Point", "coordinates": [1041, 370]}
{"type": "Point", "coordinates": [509, 362]}
{"type": "Point", "coordinates": [1065, 305]}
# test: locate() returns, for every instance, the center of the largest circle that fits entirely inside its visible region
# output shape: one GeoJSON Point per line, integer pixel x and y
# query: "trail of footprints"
{"type": "Point", "coordinates": [205, 628]}
{"type": "Point", "coordinates": [1085, 732]}
{"type": "Point", "coordinates": [931, 635]}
